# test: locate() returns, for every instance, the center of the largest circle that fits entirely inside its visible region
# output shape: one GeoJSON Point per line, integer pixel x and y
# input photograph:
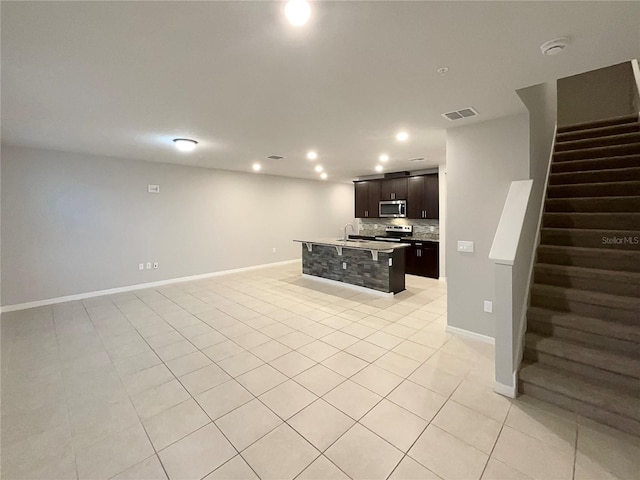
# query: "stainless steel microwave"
{"type": "Point", "coordinates": [393, 208]}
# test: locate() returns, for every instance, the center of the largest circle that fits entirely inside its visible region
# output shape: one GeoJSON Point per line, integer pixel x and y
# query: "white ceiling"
{"type": "Point", "coordinates": [123, 79]}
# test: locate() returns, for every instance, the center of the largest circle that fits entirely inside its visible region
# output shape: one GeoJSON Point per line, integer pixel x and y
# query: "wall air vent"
{"type": "Point", "coordinates": [275, 157]}
{"type": "Point", "coordinates": [462, 113]}
{"type": "Point", "coordinates": [419, 159]}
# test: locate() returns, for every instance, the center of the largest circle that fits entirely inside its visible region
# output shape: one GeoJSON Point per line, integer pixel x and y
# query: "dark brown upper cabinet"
{"type": "Point", "coordinates": [423, 197]}
{"type": "Point", "coordinates": [393, 189]}
{"type": "Point", "coordinates": [367, 198]}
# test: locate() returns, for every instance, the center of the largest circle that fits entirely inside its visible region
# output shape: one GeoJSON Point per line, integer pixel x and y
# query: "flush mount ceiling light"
{"type": "Point", "coordinates": [323, 176]}
{"type": "Point", "coordinates": [402, 136]}
{"type": "Point", "coordinates": [311, 155]}
{"type": "Point", "coordinates": [384, 157]}
{"type": "Point", "coordinates": [318, 168]}
{"type": "Point", "coordinates": [256, 167]}
{"type": "Point", "coordinates": [442, 71]}
{"type": "Point", "coordinates": [378, 168]}
{"type": "Point", "coordinates": [185, 144]}
{"type": "Point", "coordinates": [555, 46]}
{"type": "Point", "coordinates": [297, 12]}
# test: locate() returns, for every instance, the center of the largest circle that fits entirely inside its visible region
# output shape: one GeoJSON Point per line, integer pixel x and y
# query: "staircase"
{"type": "Point", "coordinates": [582, 346]}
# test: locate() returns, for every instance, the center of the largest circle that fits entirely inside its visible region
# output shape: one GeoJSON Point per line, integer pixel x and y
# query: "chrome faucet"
{"type": "Point", "coordinates": [345, 231]}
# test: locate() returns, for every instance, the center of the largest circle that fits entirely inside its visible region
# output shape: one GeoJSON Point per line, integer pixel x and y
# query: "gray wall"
{"type": "Point", "coordinates": [75, 223]}
{"type": "Point", "coordinates": [482, 160]}
{"type": "Point", "coordinates": [604, 93]}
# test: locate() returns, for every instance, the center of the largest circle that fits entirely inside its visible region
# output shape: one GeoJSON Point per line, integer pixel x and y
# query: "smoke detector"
{"type": "Point", "coordinates": [554, 47]}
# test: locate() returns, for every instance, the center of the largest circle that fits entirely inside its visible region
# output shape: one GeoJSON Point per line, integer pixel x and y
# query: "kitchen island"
{"type": "Point", "coordinates": [378, 266]}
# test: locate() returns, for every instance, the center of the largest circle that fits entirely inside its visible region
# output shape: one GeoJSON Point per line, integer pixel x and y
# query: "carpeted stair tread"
{"type": "Point", "coordinates": [591, 238]}
{"type": "Point", "coordinates": [588, 297]}
{"type": "Point", "coordinates": [629, 221]}
{"type": "Point", "coordinates": [628, 203]}
{"type": "Point", "coordinates": [598, 123]}
{"type": "Point", "coordinates": [593, 279]}
{"type": "Point", "coordinates": [595, 152]}
{"type": "Point", "coordinates": [613, 259]}
{"type": "Point", "coordinates": [599, 163]}
{"type": "Point", "coordinates": [618, 330]}
{"type": "Point", "coordinates": [596, 176]}
{"type": "Point", "coordinates": [622, 401]}
{"type": "Point", "coordinates": [585, 354]}
{"type": "Point", "coordinates": [598, 131]}
{"type": "Point", "coordinates": [609, 140]}
{"type": "Point", "coordinates": [594, 189]}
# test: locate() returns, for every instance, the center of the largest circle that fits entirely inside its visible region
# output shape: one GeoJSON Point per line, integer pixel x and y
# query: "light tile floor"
{"type": "Point", "coordinates": [268, 375]}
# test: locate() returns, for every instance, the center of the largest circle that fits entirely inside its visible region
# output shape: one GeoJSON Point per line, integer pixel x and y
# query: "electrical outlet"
{"type": "Point", "coordinates": [148, 265]}
{"type": "Point", "coordinates": [344, 265]}
{"type": "Point", "coordinates": [488, 306]}
{"type": "Point", "coordinates": [274, 249]}
{"type": "Point", "coordinates": [432, 228]}
{"type": "Point", "coordinates": [141, 266]}
{"type": "Point", "coordinates": [464, 246]}
{"type": "Point", "coordinates": [155, 264]}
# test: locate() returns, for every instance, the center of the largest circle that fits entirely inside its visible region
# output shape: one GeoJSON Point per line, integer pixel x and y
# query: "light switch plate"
{"type": "Point", "coordinates": [488, 306]}
{"type": "Point", "coordinates": [465, 246]}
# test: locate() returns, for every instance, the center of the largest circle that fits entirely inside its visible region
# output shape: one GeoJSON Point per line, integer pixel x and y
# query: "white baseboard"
{"type": "Point", "coordinates": [139, 286]}
{"type": "Point", "coordinates": [357, 288]}
{"type": "Point", "coordinates": [469, 334]}
{"type": "Point", "coordinates": [442, 279]}
{"type": "Point", "coordinates": [506, 390]}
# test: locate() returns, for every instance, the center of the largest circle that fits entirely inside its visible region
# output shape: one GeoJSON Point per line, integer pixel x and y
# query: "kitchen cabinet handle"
{"type": "Point", "coordinates": [418, 244]}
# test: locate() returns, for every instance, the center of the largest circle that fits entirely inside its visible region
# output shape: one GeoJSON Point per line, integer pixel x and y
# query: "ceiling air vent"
{"type": "Point", "coordinates": [275, 157]}
{"type": "Point", "coordinates": [462, 113]}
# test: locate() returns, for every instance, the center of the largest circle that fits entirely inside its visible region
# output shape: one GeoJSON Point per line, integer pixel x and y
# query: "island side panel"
{"type": "Point", "coordinates": [397, 271]}
{"type": "Point", "coordinates": [323, 261]}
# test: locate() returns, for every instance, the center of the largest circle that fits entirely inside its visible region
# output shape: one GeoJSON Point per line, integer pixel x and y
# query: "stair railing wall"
{"type": "Point", "coordinates": [636, 93]}
{"type": "Point", "coordinates": [513, 254]}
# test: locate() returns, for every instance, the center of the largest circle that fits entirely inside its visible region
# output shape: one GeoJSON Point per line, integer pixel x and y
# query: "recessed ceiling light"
{"type": "Point", "coordinates": [318, 168]}
{"type": "Point", "coordinates": [185, 144]}
{"type": "Point", "coordinates": [256, 167]}
{"type": "Point", "coordinates": [384, 157]}
{"type": "Point", "coordinates": [378, 168]}
{"type": "Point", "coordinates": [297, 12]}
{"type": "Point", "coordinates": [323, 176]}
{"type": "Point", "coordinates": [311, 155]}
{"type": "Point", "coordinates": [402, 136]}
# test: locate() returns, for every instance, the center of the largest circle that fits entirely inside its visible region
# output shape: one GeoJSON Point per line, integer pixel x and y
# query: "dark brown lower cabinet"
{"type": "Point", "coordinates": [423, 259]}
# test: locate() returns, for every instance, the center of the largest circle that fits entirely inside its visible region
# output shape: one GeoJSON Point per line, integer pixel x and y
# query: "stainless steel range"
{"type": "Point", "coordinates": [396, 233]}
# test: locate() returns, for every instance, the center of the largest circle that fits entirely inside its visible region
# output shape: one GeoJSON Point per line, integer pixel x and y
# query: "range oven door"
{"type": "Point", "coordinates": [393, 208]}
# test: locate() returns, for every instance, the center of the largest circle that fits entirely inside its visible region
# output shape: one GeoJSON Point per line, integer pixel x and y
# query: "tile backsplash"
{"type": "Point", "coordinates": [376, 226]}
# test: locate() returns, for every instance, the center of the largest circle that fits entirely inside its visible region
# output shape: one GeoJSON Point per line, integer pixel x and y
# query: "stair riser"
{"type": "Point", "coordinates": [610, 122]}
{"type": "Point", "coordinates": [618, 175]}
{"type": "Point", "coordinates": [592, 284]}
{"type": "Point", "coordinates": [611, 262]}
{"type": "Point", "coordinates": [610, 204]}
{"type": "Point", "coordinates": [585, 309]}
{"type": "Point", "coordinates": [601, 132]}
{"type": "Point", "coordinates": [590, 239]}
{"type": "Point", "coordinates": [600, 341]}
{"type": "Point", "coordinates": [592, 372]}
{"type": "Point", "coordinates": [598, 221]}
{"type": "Point", "coordinates": [614, 330]}
{"type": "Point", "coordinates": [610, 151]}
{"type": "Point", "coordinates": [614, 420]}
{"type": "Point", "coordinates": [607, 141]}
{"type": "Point", "coordinates": [611, 189]}
{"type": "Point", "coordinates": [605, 163]}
